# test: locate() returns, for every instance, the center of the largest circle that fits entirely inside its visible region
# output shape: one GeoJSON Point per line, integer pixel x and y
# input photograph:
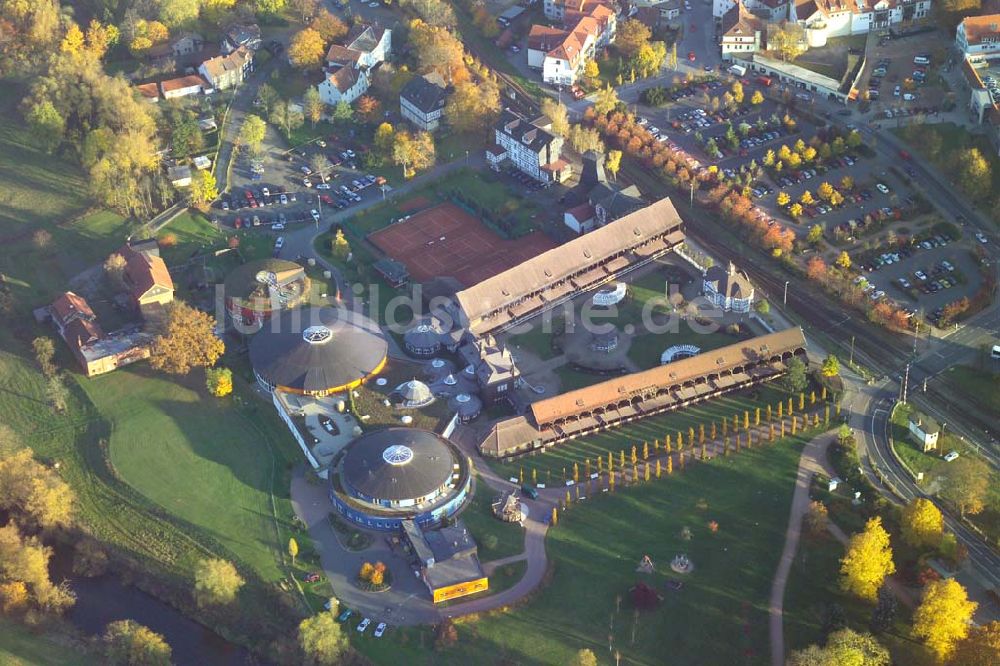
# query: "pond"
{"type": "Point", "coordinates": [106, 599]}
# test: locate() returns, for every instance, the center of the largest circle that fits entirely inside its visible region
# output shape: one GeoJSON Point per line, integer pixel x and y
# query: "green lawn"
{"type": "Point", "coordinates": [19, 645]}
{"type": "Point", "coordinates": [720, 615]}
{"type": "Point", "coordinates": [812, 587]}
{"type": "Point", "coordinates": [478, 517]}
{"type": "Point", "coordinates": [978, 384]}
{"type": "Point", "coordinates": [562, 456]}
{"type": "Point", "coordinates": [647, 348]}
{"type": "Point", "coordinates": [197, 457]}
{"type": "Point", "coordinates": [187, 234]}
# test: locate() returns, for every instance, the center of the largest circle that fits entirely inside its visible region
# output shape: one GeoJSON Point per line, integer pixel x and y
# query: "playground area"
{"type": "Point", "coordinates": [446, 240]}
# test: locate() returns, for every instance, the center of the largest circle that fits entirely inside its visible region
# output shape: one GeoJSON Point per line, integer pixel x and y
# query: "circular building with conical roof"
{"type": "Point", "coordinates": [317, 351]}
{"type": "Point", "coordinates": [387, 476]}
{"type": "Point", "coordinates": [413, 394]}
{"type": "Point", "coordinates": [258, 289]}
{"type": "Point", "coordinates": [424, 339]}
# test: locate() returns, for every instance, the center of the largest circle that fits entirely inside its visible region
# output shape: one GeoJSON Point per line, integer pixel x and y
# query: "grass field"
{"type": "Point", "coordinates": [647, 348]}
{"type": "Point", "coordinates": [478, 517]}
{"type": "Point", "coordinates": [18, 645]}
{"type": "Point", "coordinates": [197, 457]}
{"type": "Point", "coordinates": [562, 456]}
{"type": "Point", "coordinates": [979, 385]}
{"type": "Point", "coordinates": [720, 615]}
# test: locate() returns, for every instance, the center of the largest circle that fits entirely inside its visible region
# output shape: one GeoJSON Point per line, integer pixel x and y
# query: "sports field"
{"type": "Point", "coordinates": [445, 240]}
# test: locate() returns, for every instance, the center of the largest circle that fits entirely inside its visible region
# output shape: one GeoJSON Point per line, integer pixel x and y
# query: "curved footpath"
{"type": "Point", "coordinates": [812, 461]}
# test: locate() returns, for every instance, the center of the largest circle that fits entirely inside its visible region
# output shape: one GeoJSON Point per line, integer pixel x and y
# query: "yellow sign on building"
{"type": "Point", "coordinates": [461, 589]}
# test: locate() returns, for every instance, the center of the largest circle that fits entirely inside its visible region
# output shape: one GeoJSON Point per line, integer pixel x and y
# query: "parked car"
{"type": "Point", "coordinates": [882, 188]}
{"type": "Point", "coordinates": [314, 214]}
{"type": "Point", "coordinates": [364, 625]}
{"type": "Point", "coordinates": [981, 237]}
{"type": "Point", "coordinates": [380, 629]}
{"type": "Point", "coordinates": [278, 244]}
{"type": "Point", "coordinates": [345, 615]}
{"type": "Point", "coordinates": [951, 456]}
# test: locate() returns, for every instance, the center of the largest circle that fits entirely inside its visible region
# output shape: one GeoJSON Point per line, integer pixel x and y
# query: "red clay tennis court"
{"type": "Point", "coordinates": [447, 241]}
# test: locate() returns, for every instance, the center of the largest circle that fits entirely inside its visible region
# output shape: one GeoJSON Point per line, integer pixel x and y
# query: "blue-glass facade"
{"type": "Point", "coordinates": [425, 519]}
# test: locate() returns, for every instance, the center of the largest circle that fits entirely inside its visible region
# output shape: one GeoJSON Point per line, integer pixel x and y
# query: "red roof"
{"type": "Point", "coordinates": [80, 333]}
{"type": "Point", "coordinates": [145, 271]}
{"type": "Point", "coordinates": [982, 28]}
{"type": "Point", "coordinates": [70, 304]}
{"type": "Point", "coordinates": [182, 82]}
{"type": "Point", "coordinates": [582, 212]}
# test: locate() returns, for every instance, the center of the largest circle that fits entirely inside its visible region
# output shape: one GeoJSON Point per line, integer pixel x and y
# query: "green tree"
{"type": "Point", "coordinates": [943, 617]}
{"type": "Point", "coordinates": [204, 189]}
{"type": "Point", "coordinates": [175, 13]}
{"type": "Point", "coordinates": [219, 381]}
{"type": "Point", "coordinates": [757, 98]}
{"type": "Point", "coordinates": [342, 112]}
{"type": "Point", "coordinates": [606, 101]}
{"type": "Point", "coordinates": [128, 643]}
{"type": "Point", "coordinates": [293, 549]}
{"type": "Point", "coordinates": [45, 352]}
{"type": "Point", "coordinates": [815, 234]}
{"type": "Point", "coordinates": [312, 106]}
{"type": "Point", "coordinates": [558, 115]}
{"type": "Point", "coordinates": [584, 658]}
{"type": "Point", "coordinates": [867, 562]}
{"type": "Point", "coordinates": [321, 640]}
{"type": "Point", "coordinates": [252, 132]}
{"type": "Point", "coordinates": [975, 173]}
{"type": "Point", "coordinates": [843, 648]}
{"type": "Point", "coordinates": [796, 379]}
{"type": "Point", "coordinates": [831, 366]}
{"type": "Point", "coordinates": [966, 484]}
{"type": "Point", "coordinates": [46, 124]}
{"type": "Point", "coordinates": [216, 582]}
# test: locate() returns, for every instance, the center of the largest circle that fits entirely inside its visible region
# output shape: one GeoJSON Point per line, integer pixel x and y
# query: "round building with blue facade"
{"type": "Point", "coordinates": [394, 474]}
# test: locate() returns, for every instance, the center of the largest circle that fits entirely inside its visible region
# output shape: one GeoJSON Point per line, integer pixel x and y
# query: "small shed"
{"type": "Point", "coordinates": [925, 431]}
{"type": "Point", "coordinates": [507, 507]}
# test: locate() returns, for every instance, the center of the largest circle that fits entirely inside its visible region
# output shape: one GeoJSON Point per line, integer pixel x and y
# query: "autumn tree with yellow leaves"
{"type": "Point", "coordinates": [867, 562]}
{"type": "Point", "coordinates": [943, 617]}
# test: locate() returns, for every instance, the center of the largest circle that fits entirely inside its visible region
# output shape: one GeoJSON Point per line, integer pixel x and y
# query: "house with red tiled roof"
{"type": "Point", "coordinates": [561, 53]}
{"type": "Point", "coordinates": [95, 351]}
{"type": "Point", "coordinates": [147, 277]}
{"type": "Point", "coordinates": [529, 147]}
{"type": "Point", "coordinates": [740, 32]}
{"type": "Point", "coordinates": [978, 37]}
{"type": "Point", "coordinates": [182, 86]}
{"type": "Point", "coordinates": [838, 18]}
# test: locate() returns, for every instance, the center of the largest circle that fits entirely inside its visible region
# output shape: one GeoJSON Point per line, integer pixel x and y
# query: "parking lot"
{"type": "Point", "coordinates": [925, 276]}
{"type": "Point", "coordinates": [903, 75]}
{"type": "Point", "coordinates": [283, 187]}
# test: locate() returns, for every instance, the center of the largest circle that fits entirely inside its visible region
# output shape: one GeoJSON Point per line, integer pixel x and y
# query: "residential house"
{"type": "Point", "coordinates": [228, 71]}
{"type": "Point", "coordinates": [978, 37]}
{"type": "Point", "coordinates": [147, 277]}
{"type": "Point", "coordinates": [421, 101]}
{"type": "Point", "coordinates": [186, 44]}
{"type": "Point", "coordinates": [96, 352]}
{"type": "Point", "coordinates": [529, 147]}
{"type": "Point", "coordinates": [823, 19]}
{"type": "Point", "coordinates": [728, 289]}
{"type": "Point", "coordinates": [740, 32]}
{"type": "Point", "coordinates": [349, 66]}
{"type": "Point", "coordinates": [775, 10]}
{"type": "Point", "coordinates": [594, 202]}
{"type": "Point", "coordinates": [561, 53]}
{"type": "Point", "coordinates": [182, 86]}
{"type": "Point", "coordinates": [239, 35]}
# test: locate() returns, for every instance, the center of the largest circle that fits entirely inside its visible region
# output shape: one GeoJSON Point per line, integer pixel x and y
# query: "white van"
{"type": "Point", "coordinates": [921, 60]}
{"type": "Point", "coordinates": [996, 352]}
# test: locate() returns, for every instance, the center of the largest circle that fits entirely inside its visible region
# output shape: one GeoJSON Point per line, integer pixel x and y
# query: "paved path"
{"type": "Point", "coordinates": [809, 465]}
{"type": "Point", "coordinates": [813, 461]}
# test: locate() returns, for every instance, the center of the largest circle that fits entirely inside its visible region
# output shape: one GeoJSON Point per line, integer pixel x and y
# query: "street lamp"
{"type": "Point", "coordinates": [784, 299]}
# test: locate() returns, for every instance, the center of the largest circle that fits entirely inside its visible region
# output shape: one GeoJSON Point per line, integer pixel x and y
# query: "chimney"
{"type": "Point", "coordinates": [593, 170]}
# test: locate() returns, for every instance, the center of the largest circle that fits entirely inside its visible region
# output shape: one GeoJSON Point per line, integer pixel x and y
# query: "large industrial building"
{"type": "Point", "coordinates": [397, 474]}
{"type": "Point", "coordinates": [317, 351]}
